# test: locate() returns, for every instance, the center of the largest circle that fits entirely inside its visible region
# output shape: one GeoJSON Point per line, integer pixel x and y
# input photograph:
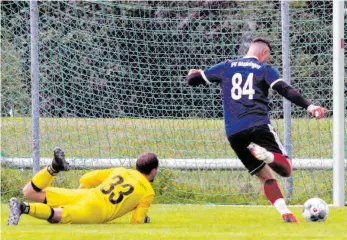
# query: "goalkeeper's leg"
{"type": "Point", "coordinates": [44, 178]}
{"type": "Point", "coordinates": [87, 211]}
{"type": "Point", "coordinates": [37, 210]}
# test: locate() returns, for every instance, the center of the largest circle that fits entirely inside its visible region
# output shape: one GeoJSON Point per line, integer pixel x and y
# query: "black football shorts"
{"type": "Point", "coordinates": [263, 135]}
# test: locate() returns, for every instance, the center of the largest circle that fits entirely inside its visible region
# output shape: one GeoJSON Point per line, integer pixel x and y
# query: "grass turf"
{"type": "Point", "coordinates": [169, 138]}
{"type": "Point", "coordinates": [187, 222]}
{"type": "Point", "coordinates": [195, 187]}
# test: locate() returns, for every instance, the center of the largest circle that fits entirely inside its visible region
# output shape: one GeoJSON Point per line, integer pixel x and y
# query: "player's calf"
{"type": "Point", "coordinates": [274, 194]}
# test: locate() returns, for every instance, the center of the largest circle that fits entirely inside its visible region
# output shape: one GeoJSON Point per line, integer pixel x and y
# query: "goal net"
{"type": "Point", "coordinates": [112, 85]}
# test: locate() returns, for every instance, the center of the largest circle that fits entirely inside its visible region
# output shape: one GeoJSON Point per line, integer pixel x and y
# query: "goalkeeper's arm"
{"type": "Point", "coordinates": [141, 210]}
{"type": "Point", "coordinates": [295, 97]}
{"type": "Point", "coordinates": [94, 178]}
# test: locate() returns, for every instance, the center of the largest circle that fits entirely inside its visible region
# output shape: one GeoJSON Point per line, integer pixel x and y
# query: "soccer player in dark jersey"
{"type": "Point", "coordinates": [104, 195]}
{"type": "Point", "coordinates": [245, 84]}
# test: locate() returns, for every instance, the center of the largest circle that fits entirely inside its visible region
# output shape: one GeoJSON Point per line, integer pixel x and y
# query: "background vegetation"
{"type": "Point", "coordinates": [126, 58]}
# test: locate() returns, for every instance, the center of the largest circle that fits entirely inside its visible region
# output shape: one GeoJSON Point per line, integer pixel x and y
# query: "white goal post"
{"type": "Point", "coordinates": [338, 104]}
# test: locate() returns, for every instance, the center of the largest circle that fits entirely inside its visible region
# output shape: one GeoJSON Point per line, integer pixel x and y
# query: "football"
{"type": "Point", "coordinates": [315, 210]}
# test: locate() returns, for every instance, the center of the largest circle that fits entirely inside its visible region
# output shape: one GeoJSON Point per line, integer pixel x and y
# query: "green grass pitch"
{"type": "Point", "coordinates": [187, 222]}
{"type": "Point", "coordinates": [169, 138]}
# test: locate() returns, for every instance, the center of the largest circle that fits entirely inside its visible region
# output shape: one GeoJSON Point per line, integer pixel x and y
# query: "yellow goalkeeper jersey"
{"type": "Point", "coordinates": [120, 191]}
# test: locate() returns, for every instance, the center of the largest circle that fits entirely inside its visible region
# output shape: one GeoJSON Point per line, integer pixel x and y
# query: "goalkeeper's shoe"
{"type": "Point", "coordinates": [260, 153]}
{"type": "Point", "coordinates": [289, 217]}
{"type": "Point", "coordinates": [15, 211]}
{"type": "Point", "coordinates": [59, 163]}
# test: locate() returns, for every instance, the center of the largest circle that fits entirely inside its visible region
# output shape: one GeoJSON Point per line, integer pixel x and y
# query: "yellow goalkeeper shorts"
{"type": "Point", "coordinates": [59, 197]}
{"type": "Point", "coordinates": [89, 209]}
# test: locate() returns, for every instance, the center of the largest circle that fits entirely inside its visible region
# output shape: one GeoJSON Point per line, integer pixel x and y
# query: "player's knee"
{"type": "Point", "coordinates": [30, 191]}
{"type": "Point", "coordinates": [52, 221]}
{"type": "Point", "coordinates": [286, 173]}
{"type": "Point", "coordinates": [281, 165]}
{"type": "Point", "coordinates": [287, 170]}
{"type": "Point", "coordinates": [27, 190]}
{"type": "Point", "coordinates": [53, 218]}
{"type": "Point", "coordinates": [283, 171]}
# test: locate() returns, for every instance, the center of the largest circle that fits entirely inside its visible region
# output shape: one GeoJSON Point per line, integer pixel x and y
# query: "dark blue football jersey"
{"type": "Point", "coordinates": [245, 84]}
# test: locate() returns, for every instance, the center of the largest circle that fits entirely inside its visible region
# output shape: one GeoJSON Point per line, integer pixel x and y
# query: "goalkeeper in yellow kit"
{"type": "Point", "coordinates": [103, 196]}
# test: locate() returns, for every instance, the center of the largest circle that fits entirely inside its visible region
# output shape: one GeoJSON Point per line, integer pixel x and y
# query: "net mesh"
{"type": "Point", "coordinates": [112, 86]}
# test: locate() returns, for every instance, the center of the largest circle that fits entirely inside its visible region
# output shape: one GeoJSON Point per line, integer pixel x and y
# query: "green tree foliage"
{"type": "Point", "coordinates": [15, 95]}
{"type": "Point", "coordinates": [129, 58]}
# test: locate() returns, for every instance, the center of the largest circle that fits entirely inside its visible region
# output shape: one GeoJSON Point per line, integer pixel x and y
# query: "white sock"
{"type": "Point", "coordinates": [281, 206]}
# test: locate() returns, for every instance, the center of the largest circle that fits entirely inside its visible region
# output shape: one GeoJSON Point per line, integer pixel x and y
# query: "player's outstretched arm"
{"type": "Point", "coordinates": [195, 77]}
{"type": "Point", "coordinates": [295, 97]}
{"type": "Point", "coordinates": [206, 77]}
{"type": "Point", "coordinates": [140, 213]}
{"type": "Point", "coordinates": [94, 178]}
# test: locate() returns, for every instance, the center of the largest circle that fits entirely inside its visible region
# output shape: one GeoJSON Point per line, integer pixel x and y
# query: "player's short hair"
{"type": "Point", "coordinates": [262, 40]}
{"type": "Point", "coordinates": [146, 162]}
